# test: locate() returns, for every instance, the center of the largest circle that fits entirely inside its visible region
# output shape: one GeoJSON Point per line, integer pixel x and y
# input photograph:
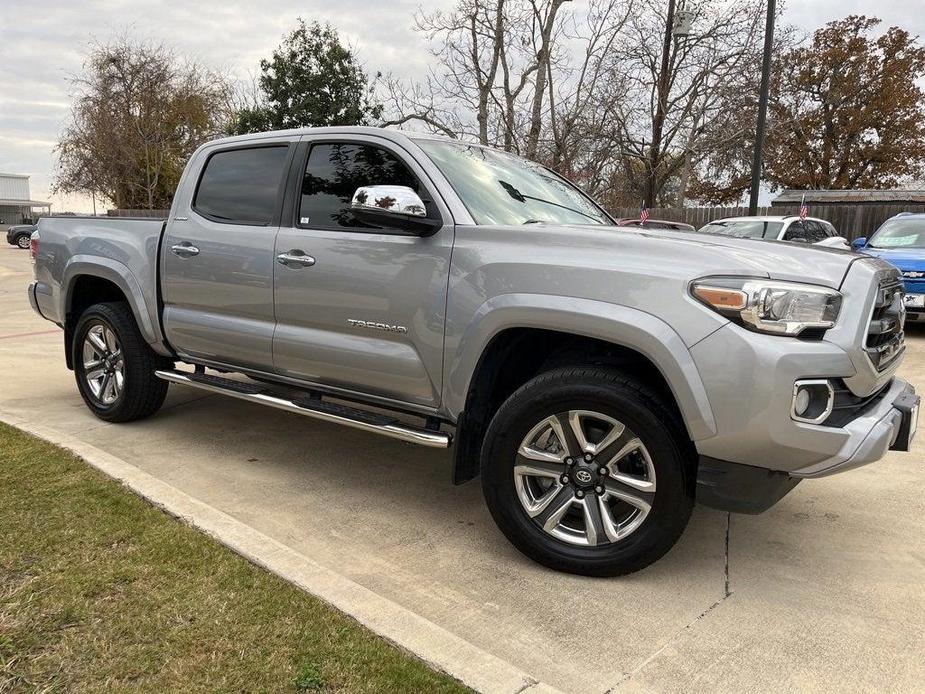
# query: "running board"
{"type": "Point", "coordinates": [310, 407]}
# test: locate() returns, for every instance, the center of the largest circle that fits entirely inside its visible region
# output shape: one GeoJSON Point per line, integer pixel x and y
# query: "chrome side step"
{"type": "Point", "coordinates": [310, 407]}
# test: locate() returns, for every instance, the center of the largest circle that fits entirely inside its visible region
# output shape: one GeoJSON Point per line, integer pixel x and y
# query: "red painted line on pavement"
{"type": "Point", "coordinates": [40, 332]}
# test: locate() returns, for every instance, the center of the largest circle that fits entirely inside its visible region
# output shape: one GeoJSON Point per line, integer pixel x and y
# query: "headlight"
{"type": "Point", "coordinates": [769, 306]}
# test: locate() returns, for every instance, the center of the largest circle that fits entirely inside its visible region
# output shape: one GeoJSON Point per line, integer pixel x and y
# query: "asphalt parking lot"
{"type": "Point", "coordinates": [826, 591]}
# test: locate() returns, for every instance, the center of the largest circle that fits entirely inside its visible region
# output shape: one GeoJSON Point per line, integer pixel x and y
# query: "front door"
{"type": "Point", "coordinates": [217, 256]}
{"type": "Point", "coordinates": [361, 308]}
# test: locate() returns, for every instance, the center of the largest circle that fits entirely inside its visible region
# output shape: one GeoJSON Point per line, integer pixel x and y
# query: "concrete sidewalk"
{"type": "Point", "coordinates": [825, 591]}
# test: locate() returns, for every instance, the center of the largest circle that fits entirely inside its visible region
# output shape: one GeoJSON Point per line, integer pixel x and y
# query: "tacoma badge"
{"type": "Point", "coordinates": [377, 326]}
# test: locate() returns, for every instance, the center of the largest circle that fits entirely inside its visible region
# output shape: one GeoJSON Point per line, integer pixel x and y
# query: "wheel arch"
{"type": "Point", "coordinates": [87, 282]}
{"type": "Point", "coordinates": [511, 341]}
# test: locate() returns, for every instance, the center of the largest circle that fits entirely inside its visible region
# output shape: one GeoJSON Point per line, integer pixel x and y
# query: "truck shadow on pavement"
{"type": "Point", "coordinates": [372, 489]}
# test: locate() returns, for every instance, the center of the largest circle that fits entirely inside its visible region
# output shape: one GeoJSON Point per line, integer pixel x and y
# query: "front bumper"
{"type": "Point", "coordinates": [915, 303]}
{"type": "Point", "coordinates": [870, 435]}
{"type": "Point", "coordinates": [742, 488]}
{"type": "Point", "coordinates": [751, 391]}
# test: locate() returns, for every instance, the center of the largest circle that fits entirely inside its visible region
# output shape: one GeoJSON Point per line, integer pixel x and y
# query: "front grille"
{"type": "Point", "coordinates": [885, 336]}
{"type": "Point", "coordinates": [847, 406]}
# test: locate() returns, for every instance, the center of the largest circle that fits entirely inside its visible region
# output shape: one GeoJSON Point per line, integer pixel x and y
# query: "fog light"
{"type": "Point", "coordinates": [813, 400]}
{"type": "Point", "coordinates": [801, 401]}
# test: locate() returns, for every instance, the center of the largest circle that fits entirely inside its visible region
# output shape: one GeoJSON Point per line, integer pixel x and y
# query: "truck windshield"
{"type": "Point", "coordinates": [500, 188]}
{"type": "Point", "coordinates": [900, 233]}
{"type": "Point", "coordinates": [744, 228]}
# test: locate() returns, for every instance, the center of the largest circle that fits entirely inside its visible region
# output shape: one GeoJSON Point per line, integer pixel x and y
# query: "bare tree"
{"type": "Point", "coordinates": [582, 89]}
{"type": "Point", "coordinates": [703, 71]}
{"type": "Point", "coordinates": [138, 115]}
{"type": "Point", "coordinates": [494, 59]}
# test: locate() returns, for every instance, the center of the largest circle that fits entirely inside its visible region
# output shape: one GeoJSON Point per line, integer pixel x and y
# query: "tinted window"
{"type": "Point", "coordinates": [500, 188]}
{"type": "Point", "coordinates": [796, 232]}
{"type": "Point", "coordinates": [241, 185]}
{"type": "Point", "coordinates": [744, 228]}
{"type": "Point", "coordinates": [333, 174]}
{"type": "Point", "coordinates": [829, 229]}
{"type": "Point", "coordinates": [815, 232]}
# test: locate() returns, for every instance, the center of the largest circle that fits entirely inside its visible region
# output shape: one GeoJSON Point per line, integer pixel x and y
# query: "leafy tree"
{"type": "Point", "coordinates": [138, 115]}
{"type": "Point", "coordinates": [848, 111]}
{"type": "Point", "coordinates": [311, 80]}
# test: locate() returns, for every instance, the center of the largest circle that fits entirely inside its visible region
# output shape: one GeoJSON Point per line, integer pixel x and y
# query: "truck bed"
{"type": "Point", "coordinates": [120, 250]}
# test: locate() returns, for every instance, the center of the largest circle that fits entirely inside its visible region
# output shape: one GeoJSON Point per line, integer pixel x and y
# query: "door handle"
{"type": "Point", "coordinates": [295, 258]}
{"type": "Point", "coordinates": [185, 250]}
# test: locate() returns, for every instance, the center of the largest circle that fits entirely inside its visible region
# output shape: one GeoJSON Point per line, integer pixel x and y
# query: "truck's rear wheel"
{"type": "Point", "coordinates": [114, 366]}
{"type": "Point", "coordinates": [586, 470]}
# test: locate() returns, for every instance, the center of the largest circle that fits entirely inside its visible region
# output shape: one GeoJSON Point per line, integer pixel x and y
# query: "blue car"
{"type": "Point", "coordinates": [900, 240]}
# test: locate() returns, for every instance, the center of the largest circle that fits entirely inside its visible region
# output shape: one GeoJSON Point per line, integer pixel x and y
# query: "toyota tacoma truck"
{"type": "Point", "coordinates": [598, 379]}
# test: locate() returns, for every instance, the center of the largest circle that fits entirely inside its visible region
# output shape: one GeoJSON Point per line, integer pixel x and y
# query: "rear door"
{"type": "Point", "coordinates": [366, 313]}
{"type": "Point", "coordinates": [217, 255]}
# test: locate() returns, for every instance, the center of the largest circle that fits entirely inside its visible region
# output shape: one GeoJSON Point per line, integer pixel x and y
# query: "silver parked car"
{"type": "Point", "coordinates": [441, 293]}
{"type": "Point", "coordinates": [779, 228]}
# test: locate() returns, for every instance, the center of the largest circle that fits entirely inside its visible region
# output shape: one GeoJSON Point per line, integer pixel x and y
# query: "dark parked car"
{"type": "Point", "coordinates": [19, 235]}
{"type": "Point", "coordinates": [655, 224]}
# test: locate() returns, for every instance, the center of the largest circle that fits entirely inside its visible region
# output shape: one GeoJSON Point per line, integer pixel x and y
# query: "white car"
{"type": "Point", "coordinates": [779, 228]}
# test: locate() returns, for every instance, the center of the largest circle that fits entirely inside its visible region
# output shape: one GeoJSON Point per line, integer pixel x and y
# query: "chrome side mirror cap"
{"type": "Point", "coordinates": [397, 200]}
{"type": "Point", "coordinates": [393, 207]}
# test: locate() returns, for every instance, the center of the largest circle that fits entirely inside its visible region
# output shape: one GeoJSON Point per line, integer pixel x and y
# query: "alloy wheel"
{"type": "Point", "coordinates": [104, 365]}
{"type": "Point", "coordinates": [585, 478]}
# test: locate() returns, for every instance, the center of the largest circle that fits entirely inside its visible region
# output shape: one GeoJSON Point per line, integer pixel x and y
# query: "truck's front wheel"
{"type": "Point", "coordinates": [114, 365]}
{"type": "Point", "coordinates": [587, 470]}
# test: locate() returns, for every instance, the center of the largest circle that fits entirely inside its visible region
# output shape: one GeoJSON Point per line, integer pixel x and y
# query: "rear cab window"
{"type": "Point", "coordinates": [242, 185]}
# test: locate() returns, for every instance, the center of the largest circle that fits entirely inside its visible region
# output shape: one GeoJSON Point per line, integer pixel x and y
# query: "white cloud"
{"type": "Point", "coordinates": [46, 40]}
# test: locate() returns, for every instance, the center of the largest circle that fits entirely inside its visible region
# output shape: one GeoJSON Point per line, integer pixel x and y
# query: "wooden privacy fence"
{"type": "Point", "coordinates": [157, 214]}
{"type": "Point", "coordinates": [852, 221]}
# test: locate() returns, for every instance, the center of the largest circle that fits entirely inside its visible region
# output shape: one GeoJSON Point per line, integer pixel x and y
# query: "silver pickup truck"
{"type": "Point", "coordinates": [598, 378]}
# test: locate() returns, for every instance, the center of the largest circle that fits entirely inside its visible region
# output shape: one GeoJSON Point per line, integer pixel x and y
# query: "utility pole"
{"type": "Point", "coordinates": [762, 109]}
{"type": "Point", "coordinates": [661, 105]}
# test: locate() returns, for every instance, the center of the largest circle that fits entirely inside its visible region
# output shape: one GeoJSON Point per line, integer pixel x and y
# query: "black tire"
{"type": "Point", "coordinates": [643, 411]}
{"type": "Point", "coordinates": [23, 241]}
{"type": "Point", "coordinates": [142, 393]}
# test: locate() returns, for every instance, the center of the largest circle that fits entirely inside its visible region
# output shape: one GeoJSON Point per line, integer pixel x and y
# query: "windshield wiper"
{"type": "Point", "coordinates": [520, 197]}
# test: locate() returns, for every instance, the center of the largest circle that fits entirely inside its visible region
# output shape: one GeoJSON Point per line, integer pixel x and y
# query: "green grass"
{"type": "Point", "coordinates": [100, 590]}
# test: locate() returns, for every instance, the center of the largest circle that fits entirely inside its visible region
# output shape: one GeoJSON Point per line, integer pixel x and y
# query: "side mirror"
{"type": "Point", "coordinates": [858, 244]}
{"type": "Point", "coordinates": [396, 207]}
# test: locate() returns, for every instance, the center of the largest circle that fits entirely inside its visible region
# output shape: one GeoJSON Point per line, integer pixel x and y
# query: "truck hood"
{"type": "Point", "coordinates": [724, 255]}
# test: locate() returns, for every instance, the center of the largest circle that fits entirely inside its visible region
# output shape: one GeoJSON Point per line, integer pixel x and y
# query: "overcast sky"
{"type": "Point", "coordinates": [44, 41]}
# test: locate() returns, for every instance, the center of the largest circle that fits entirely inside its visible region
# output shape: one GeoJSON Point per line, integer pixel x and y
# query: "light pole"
{"type": "Point", "coordinates": [677, 26]}
{"type": "Point", "coordinates": [658, 120]}
{"type": "Point", "coordinates": [762, 109]}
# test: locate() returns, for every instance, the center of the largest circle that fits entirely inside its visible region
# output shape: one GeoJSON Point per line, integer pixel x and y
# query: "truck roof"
{"type": "Point", "coordinates": [763, 218]}
{"type": "Point", "coordinates": [388, 133]}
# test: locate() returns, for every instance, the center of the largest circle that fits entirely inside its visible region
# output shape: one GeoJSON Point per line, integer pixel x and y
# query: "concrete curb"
{"type": "Point", "coordinates": [432, 643]}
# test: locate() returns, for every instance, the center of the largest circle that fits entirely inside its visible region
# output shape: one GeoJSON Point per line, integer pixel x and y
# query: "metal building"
{"type": "Point", "coordinates": [16, 205]}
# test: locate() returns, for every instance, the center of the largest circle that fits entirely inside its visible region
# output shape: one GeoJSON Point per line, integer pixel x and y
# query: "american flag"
{"type": "Point", "coordinates": [644, 213]}
{"type": "Point", "coordinates": [804, 210]}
